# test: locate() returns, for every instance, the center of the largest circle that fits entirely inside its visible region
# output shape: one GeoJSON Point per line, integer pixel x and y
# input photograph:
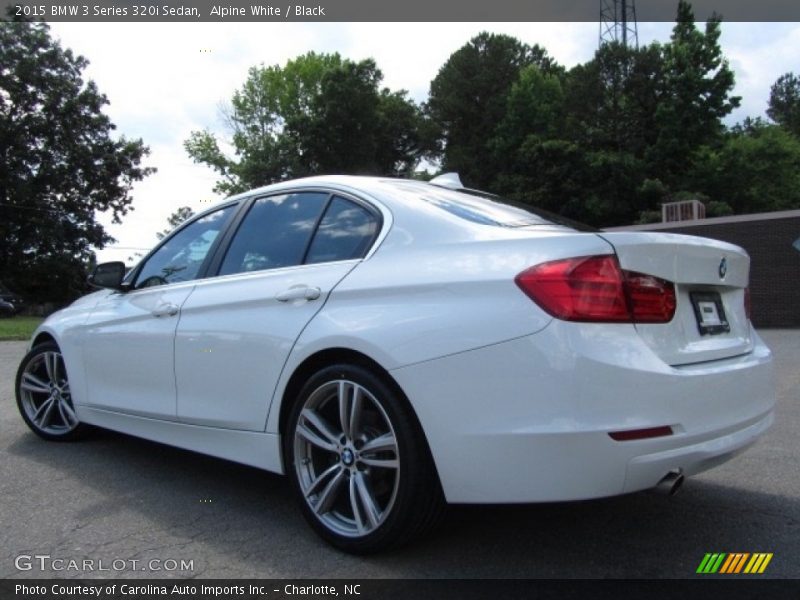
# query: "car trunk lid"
{"type": "Point", "coordinates": [710, 280]}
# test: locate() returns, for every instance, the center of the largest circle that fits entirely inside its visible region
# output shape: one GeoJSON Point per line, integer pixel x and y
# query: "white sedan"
{"type": "Point", "coordinates": [395, 345]}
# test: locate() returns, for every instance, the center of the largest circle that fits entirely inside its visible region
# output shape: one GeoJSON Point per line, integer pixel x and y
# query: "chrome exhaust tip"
{"type": "Point", "coordinates": [670, 484]}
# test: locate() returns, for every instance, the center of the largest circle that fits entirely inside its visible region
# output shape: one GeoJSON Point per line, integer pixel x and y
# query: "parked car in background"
{"type": "Point", "coordinates": [10, 298]}
{"type": "Point", "coordinates": [393, 345]}
{"type": "Point", "coordinates": [7, 309]}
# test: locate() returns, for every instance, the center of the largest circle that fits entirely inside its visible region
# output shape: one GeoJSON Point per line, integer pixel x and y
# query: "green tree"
{"type": "Point", "coordinates": [59, 165]}
{"type": "Point", "coordinates": [468, 97]}
{"type": "Point", "coordinates": [575, 144]}
{"type": "Point", "coordinates": [695, 98]}
{"type": "Point", "coordinates": [535, 107]}
{"type": "Point", "coordinates": [784, 102]}
{"type": "Point", "coordinates": [319, 113]}
{"type": "Point", "coordinates": [611, 101]}
{"type": "Point", "coordinates": [756, 169]}
{"type": "Point", "coordinates": [176, 218]}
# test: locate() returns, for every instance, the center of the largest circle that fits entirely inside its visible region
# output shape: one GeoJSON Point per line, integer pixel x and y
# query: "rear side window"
{"type": "Point", "coordinates": [346, 231]}
{"type": "Point", "coordinates": [275, 233]}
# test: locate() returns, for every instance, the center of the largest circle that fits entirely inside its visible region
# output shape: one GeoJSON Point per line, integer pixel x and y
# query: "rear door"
{"type": "Point", "coordinates": [237, 329]}
{"type": "Point", "coordinates": [710, 280]}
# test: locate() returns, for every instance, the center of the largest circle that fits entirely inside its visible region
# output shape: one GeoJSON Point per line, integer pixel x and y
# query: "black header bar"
{"type": "Point", "coordinates": [104, 11]}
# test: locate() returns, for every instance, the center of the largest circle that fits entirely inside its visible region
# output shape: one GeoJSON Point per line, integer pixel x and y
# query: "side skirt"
{"type": "Point", "coordinates": [254, 448]}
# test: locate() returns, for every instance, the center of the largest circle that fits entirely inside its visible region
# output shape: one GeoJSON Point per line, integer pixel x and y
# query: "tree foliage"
{"type": "Point", "coordinates": [468, 98]}
{"type": "Point", "coordinates": [756, 168]}
{"type": "Point", "coordinates": [319, 113]}
{"type": "Point", "coordinates": [784, 102]}
{"type": "Point", "coordinates": [176, 218]}
{"type": "Point", "coordinates": [696, 94]}
{"type": "Point", "coordinates": [59, 165]}
{"type": "Point", "coordinates": [604, 142]}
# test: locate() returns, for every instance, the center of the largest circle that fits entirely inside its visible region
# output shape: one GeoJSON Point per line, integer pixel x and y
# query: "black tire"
{"type": "Point", "coordinates": [45, 384]}
{"type": "Point", "coordinates": [408, 499]}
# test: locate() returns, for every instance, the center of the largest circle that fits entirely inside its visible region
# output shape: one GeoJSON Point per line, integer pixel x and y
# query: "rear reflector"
{"type": "Point", "coordinates": [595, 288]}
{"type": "Point", "coordinates": [640, 434]}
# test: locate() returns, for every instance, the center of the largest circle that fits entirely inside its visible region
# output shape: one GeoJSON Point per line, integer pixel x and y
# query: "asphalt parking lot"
{"type": "Point", "coordinates": [115, 498]}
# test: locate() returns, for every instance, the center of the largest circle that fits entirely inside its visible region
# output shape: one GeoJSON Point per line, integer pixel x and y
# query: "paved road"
{"type": "Point", "coordinates": [116, 497]}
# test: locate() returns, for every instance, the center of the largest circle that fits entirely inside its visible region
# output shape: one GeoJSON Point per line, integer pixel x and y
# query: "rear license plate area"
{"type": "Point", "coordinates": [709, 312]}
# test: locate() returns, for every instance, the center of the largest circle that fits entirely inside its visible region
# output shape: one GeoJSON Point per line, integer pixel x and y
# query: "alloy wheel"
{"type": "Point", "coordinates": [347, 458]}
{"type": "Point", "coordinates": [44, 394]}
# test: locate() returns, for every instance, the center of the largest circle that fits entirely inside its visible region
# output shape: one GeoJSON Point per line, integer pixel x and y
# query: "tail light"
{"type": "Point", "coordinates": [595, 288]}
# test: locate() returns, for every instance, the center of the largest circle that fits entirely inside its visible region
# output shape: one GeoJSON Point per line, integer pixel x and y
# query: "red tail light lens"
{"type": "Point", "coordinates": [652, 299]}
{"type": "Point", "coordinates": [595, 288]}
{"type": "Point", "coordinates": [578, 289]}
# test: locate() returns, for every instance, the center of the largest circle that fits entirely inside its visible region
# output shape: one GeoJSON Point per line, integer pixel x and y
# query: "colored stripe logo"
{"type": "Point", "coordinates": [734, 563]}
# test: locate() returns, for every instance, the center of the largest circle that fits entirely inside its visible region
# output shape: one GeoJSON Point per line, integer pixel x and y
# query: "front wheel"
{"type": "Point", "coordinates": [43, 395]}
{"type": "Point", "coordinates": [359, 461]}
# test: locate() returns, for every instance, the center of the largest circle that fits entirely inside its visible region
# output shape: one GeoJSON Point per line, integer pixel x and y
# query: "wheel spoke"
{"type": "Point", "coordinates": [350, 405]}
{"type": "Point", "coordinates": [342, 400]}
{"type": "Point", "coordinates": [51, 365]}
{"type": "Point", "coordinates": [64, 419]}
{"type": "Point", "coordinates": [328, 495]}
{"type": "Point", "coordinates": [317, 483]}
{"type": "Point", "coordinates": [383, 463]}
{"type": "Point", "coordinates": [362, 527]}
{"type": "Point", "coordinates": [382, 443]}
{"type": "Point", "coordinates": [70, 418]}
{"type": "Point", "coordinates": [312, 437]}
{"type": "Point", "coordinates": [42, 416]}
{"type": "Point", "coordinates": [367, 501]}
{"type": "Point", "coordinates": [31, 383]}
{"type": "Point", "coordinates": [355, 412]}
{"type": "Point", "coordinates": [329, 439]}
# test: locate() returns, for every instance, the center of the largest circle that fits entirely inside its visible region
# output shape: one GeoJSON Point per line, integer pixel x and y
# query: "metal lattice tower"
{"type": "Point", "coordinates": [618, 22]}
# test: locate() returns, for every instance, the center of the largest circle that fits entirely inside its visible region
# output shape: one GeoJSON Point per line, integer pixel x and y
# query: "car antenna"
{"type": "Point", "coordinates": [448, 180]}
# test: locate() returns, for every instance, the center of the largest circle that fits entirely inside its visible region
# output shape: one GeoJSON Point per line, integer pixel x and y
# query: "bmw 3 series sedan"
{"type": "Point", "coordinates": [393, 346]}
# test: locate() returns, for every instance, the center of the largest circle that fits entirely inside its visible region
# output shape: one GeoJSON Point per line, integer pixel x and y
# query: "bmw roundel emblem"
{"type": "Point", "coordinates": [723, 267]}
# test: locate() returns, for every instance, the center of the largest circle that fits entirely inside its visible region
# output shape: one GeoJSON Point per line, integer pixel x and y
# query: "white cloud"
{"type": "Point", "coordinates": [166, 80]}
{"type": "Point", "coordinates": [759, 54]}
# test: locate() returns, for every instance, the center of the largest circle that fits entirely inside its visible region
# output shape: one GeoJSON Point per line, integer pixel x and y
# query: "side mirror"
{"type": "Point", "coordinates": [108, 275]}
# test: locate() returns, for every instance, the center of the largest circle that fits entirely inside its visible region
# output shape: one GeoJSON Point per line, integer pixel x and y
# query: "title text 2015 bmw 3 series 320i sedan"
{"type": "Point", "coordinates": [394, 345]}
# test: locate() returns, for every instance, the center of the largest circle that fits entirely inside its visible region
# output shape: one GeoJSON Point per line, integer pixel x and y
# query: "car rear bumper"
{"type": "Point", "coordinates": [528, 420]}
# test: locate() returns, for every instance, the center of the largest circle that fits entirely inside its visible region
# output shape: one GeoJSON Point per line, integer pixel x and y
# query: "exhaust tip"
{"type": "Point", "coordinates": [670, 484]}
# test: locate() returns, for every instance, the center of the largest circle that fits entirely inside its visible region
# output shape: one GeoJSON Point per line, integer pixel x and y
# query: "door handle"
{"type": "Point", "coordinates": [165, 310]}
{"type": "Point", "coordinates": [299, 292]}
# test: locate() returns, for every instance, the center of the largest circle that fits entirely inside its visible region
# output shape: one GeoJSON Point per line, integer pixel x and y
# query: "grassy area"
{"type": "Point", "coordinates": [18, 328]}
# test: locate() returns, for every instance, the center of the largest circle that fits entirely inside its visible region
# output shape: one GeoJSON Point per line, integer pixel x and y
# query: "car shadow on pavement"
{"type": "Point", "coordinates": [123, 497]}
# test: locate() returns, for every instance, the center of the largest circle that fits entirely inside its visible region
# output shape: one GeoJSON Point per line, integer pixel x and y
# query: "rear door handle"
{"type": "Point", "coordinates": [165, 310]}
{"type": "Point", "coordinates": [299, 292]}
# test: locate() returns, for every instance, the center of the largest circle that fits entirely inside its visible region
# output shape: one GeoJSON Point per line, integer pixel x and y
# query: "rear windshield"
{"type": "Point", "coordinates": [488, 209]}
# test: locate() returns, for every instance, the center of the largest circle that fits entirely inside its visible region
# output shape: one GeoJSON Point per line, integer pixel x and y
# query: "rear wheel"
{"type": "Point", "coordinates": [359, 462]}
{"type": "Point", "coordinates": [43, 394]}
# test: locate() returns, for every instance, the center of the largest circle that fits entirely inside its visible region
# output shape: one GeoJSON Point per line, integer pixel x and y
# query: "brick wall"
{"type": "Point", "coordinates": [775, 263]}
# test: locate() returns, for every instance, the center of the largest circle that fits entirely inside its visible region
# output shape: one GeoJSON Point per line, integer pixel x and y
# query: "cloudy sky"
{"type": "Point", "coordinates": [165, 80]}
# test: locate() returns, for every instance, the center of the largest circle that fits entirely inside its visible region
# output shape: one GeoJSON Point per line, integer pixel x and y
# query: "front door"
{"type": "Point", "coordinates": [130, 337]}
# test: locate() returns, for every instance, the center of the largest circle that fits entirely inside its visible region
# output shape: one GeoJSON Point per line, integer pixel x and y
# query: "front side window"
{"type": "Point", "coordinates": [182, 255]}
{"type": "Point", "coordinates": [275, 233]}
